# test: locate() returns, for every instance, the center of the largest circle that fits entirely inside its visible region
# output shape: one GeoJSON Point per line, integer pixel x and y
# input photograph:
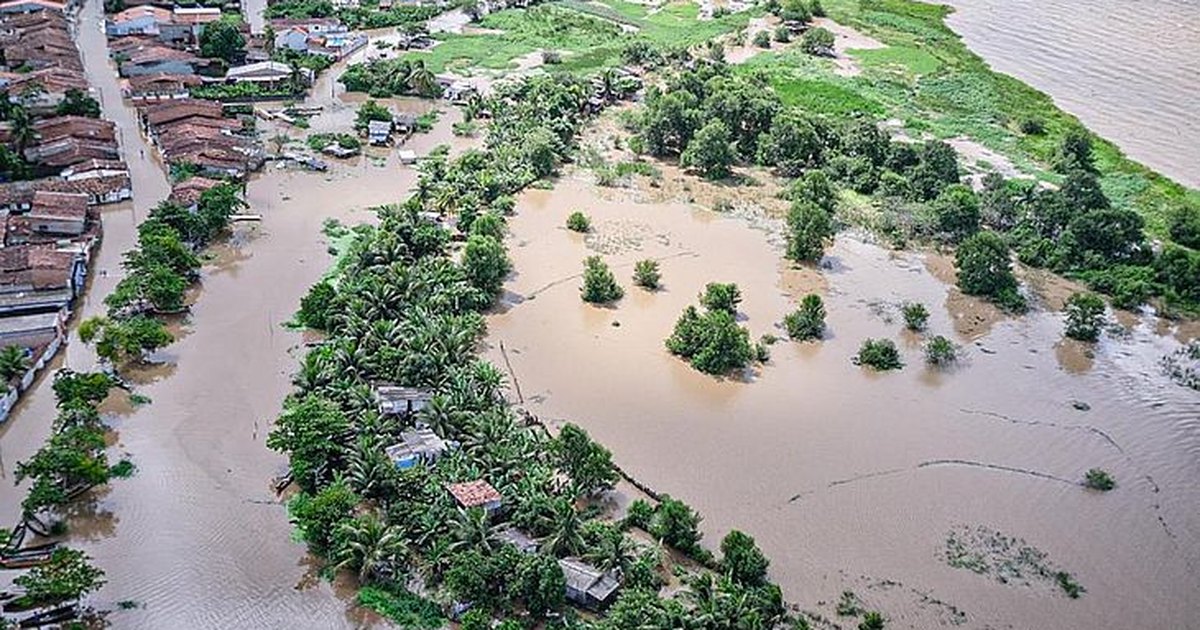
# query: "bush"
{"type": "Point", "coordinates": [713, 343]}
{"type": "Point", "coordinates": [551, 57]}
{"type": "Point", "coordinates": [915, 316]}
{"type": "Point", "coordinates": [599, 285]}
{"type": "Point", "coordinates": [782, 34]}
{"type": "Point", "coordinates": [879, 354]}
{"type": "Point", "coordinates": [1084, 316]}
{"type": "Point", "coordinates": [719, 296]}
{"type": "Point", "coordinates": [817, 41]}
{"type": "Point", "coordinates": [711, 151]}
{"type": "Point", "coordinates": [871, 621]}
{"type": "Point", "coordinates": [579, 222]}
{"type": "Point", "coordinates": [742, 560]}
{"type": "Point", "coordinates": [1098, 479]}
{"type": "Point", "coordinates": [646, 274]}
{"type": "Point", "coordinates": [808, 321]}
{"type": "Point", "coordinates": [762, 39]}
{"type": "Point", "coordinates": [940, 351]}
{"type": "Point", "coordinates": [1032, 126]}
{"type": "Point", "coordinates": [1184, 226]}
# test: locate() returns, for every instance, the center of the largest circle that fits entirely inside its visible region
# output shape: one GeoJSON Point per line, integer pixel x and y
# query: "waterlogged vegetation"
{"type": "Point", "coordinates": [1006, 559]}
{"type": "Point", "coordinates": [402, 307]}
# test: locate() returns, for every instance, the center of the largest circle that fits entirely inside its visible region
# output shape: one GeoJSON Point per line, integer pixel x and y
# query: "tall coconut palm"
{"type": "Point", "coordinates": [472, 529]}
{"type": "Point", "coordinates": [373, 548]}
{"type": "Point", "coordinates": [565, 528]}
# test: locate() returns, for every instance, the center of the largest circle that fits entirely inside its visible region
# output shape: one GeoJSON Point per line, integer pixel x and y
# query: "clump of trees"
{"type": "Point", "coordinates": [599, 284]}
{"type": "Point", "coordinates": [370, 111]}
{"type": "Point", "coordinates": [76, 102]}
{"type": "Point", "coordinates": [879, 354]}
{"type": "Point", "coordinates": [223, 40]}
{"type": "Point", "coordinates": [383, 78]}
{"type": "Point", "coordinates": [1084, 314]}
{"type": "Point", "coordinates": [712, 341]}
{"type": "Point", "coordinates": [984, 269]}
{"type": "Point", "coordinates": [809, 228]}
{"type": "Point", "coordinates": [711, 152]}
{"type": "Point", "coordinates": [647, 275]}
{"type": "Point", "coordinates": [808, 321]}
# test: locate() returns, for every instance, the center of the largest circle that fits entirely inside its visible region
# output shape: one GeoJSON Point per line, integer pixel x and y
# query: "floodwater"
{"type": "Point", "coordinates": [1129, 70]}
{"type": "Point", "coordinates": [197, 538]}
{"type": "Point", "coordinates": [852, 480]}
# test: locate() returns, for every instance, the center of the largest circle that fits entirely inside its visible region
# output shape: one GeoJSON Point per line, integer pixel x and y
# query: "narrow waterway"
{"type": "Point", "coordinates": [1129, 70]}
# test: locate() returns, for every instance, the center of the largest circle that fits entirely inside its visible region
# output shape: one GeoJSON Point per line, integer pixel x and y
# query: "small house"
{"type": "Point", "coordinates": [267, 73]}
{"type": "Point", "coordinates": [588, 586]}
{"type": "Point", "coordinates": [379, 132]}
{"type": "Point", "coordinates": [421, 445]}
{"type": "Point", "coordinates": [58, 213]}
{"type": "Point", "coordinates": [476, 494]}
{"type": "Point", "coordinates": [30, 331]}
{"type": "Point", "coordinates": [398, 401]}
{"type": "Point", "coordinates": [407, 156]}
{"type": "Point", "coordinates": [405, 122]}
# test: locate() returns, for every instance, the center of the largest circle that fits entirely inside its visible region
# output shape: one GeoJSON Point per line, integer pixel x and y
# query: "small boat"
{"type": "Point", "coordinates": [50, 617]}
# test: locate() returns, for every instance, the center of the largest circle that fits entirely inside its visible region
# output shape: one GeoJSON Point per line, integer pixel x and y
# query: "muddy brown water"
{"type": "Point", "coordinates": [196, 537]}
{"type": "Point", "coordinates": [1129, 70]}
{"type": "Point", "coordinates": [850, 479]}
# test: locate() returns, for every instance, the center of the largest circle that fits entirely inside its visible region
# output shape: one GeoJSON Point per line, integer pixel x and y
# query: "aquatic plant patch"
{"type": "Point", "coordinates": [1006, 559]}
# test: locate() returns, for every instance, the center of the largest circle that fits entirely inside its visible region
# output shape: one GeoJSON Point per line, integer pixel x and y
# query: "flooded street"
{"type": "Point", "coordinates": [851, 480]}
{"type": "Point", "coordinates": [1129, 70]}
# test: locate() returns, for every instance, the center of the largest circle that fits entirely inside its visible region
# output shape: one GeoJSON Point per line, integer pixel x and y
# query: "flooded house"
{"type": "Point", "coordinates": [150, 88]}
{"type": "Point", "coordinates": [39, 279]}
{"type": "Point", "coordinates": [588, 586]}
{"type": "Point", "coordinates": [57, 213]}
{"type": "Point", "coordinates": [327, 37]}
{"type": "Point", "coordinates": [476, 494]}
{"type": "Point", "coordinates": [379, 132]}
{"type": "Point", "coordinates": [419, 445]}
{"type": "Point", "coordinates": [393, 400]}
{"type": "Point", "coordinates": [159, 59]}
{"type": "Point", "coordinates": [268, 74]}
{"type": "Point", "coordinates": [31, 331]}
{"type": "Point", "coordinates": [187, 192]}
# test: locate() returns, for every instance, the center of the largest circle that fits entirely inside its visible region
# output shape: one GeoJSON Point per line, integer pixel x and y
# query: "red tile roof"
{"type": "Point", "coordinates": [474, 493]}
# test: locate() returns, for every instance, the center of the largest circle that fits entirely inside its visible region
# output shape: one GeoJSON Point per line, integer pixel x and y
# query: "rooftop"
{"type": "Point", "coordinates": [23, 323]}
{"type": "Point", "coordinates": [471, 494]}
{"type": "Point", "coordinates": [586, 578]}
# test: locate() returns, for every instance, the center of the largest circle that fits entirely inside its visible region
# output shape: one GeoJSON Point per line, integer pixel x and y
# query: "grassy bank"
{"type": "Point", "coordinates": [928, 79]}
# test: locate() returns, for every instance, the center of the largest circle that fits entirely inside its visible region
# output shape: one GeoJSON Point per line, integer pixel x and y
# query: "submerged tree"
{"type": "Point", "coordinates": [121, 340]}
{"type": "Point", "coordinates": [647, 275]}
{"type": "Point", "coordinates": [1084, 316]}
{"type": "Point", "coordinates": [984, 269]}
{"type": "Point", "coordinates": [599, 285]}
{"type": "Point", "coordinates": [808, 321]}
{"type": "Point", "coordinates": [809, 228]}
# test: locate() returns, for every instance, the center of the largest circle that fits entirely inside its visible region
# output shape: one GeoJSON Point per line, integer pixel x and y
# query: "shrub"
{"type": "Point", "coordinates": [1084, 316]}
{"type": "Point", "coordinates": [817, 41]}
{"type": "Point", "coordinates": [599, 285]}
{"type": "Point", "coordinates": [742, 560]}
{"type": "Point", "coordinates": [1184, 226]}
{"type": "Point", "coordinates": [1032, 126]}
{"type": "Point", "coordinates": [721, 296]}
{"type": "Point", "coordinates": [871, 621]}
{"type": "Point", "coordinates": [915, 316]}
{"type": "Point", "coordinates": [713, 342]}
{"type": "Point", "coordinates": [646, 274]}
{"type": "Point", "coordinates": [808, 321]}
{"type": "Point", "coordinates": [984, 269]}
{"type": "Point", "coordinates": [879, 354]}
{"type": "Point", "coordinates": [551, 57]}
{"type": "Point", "coordinates": [579, 222]}
{"type": "Point", "coordinates": [782, 34]}
{"type": "Point", "coordinates": [711, 151]}
{"type": "Point", "coordinates": [762, 39]}
{"type": "Point", "coordinates": [1068, 584]}
{"type": "Point", "coordinates": [940, 351]}
{"type": "Point", "coordinates": [1098, 479]}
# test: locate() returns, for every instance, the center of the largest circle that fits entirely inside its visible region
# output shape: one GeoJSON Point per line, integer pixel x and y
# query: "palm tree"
{"type": "Point", "coordinates": [422, 81]}
{"type": "Point", "coordinates": [13, 362]}
{"type": "Point", "coordinates": [609, 548]}
{"type": "Point", "coordinates": [23, 134]}
{"type": "Point", "coordinates": [472, 529]}
{"type": "Point", "coordinates": [373, 548]}
{"type": "Point", "coordinates": [566, 530]}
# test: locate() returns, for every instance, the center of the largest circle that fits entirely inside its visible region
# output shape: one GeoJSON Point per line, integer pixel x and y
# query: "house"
{"type": "Point", "coordinates": [379, 132]}
{"type": "Point", "coordinates": [187, 193]}
{"type": "Point", "coordinates": [478, 493]}
{"type": "Point", "coordinates": [58, 213]}
{"type": "Point", "coordinates": [398, 401]}
{"type": "Point", "coordinates": [407, 156]}
{"type": "Point", "coordinates": [588, 586]}
{"type": "Point", "coordinates": [420, 445]}
{"type": "Point", "coordinates": [41, 91]}
{"type": "Point", "coordinates": [159, 87]}
{"type": "Point", "coordinates": [266, 73]}
{"type": "Point", "coordinates": [405, 121]}
{"type": "Point", "coordinates": [30, 331]}
{"type": "Point", "coordinates": [161, 114]}
{"type": "Point", "coordinates": [92, 169]}
{"type": "Point", "coordinates": [54, 275]}
{"type": "Point", "coordinates": [143, 20]}
{"type": "Point", "coordinates": [30, 6]}
{"type": "Point", "coordinates": [187, 23]}
{"type": "Point", "coordinates": [156, 59]}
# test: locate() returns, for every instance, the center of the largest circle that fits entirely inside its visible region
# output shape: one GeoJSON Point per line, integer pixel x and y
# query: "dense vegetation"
{"type": "Point", "coordinates": [712, 341]}
{"type": "Point", "coordinates": [367, 15]}
{"type": "Point", "coordinates": [401, 308]}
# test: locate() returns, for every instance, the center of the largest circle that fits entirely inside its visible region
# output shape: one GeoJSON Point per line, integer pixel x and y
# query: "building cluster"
{"type": "Point", "coordinates": [60, 163]}
{"type": "Point", "coordinates": [586, 585]}
{"type": "Point", "coordinates": [196, 134]}
{"type": "Point", "coordinates": [326, 37]}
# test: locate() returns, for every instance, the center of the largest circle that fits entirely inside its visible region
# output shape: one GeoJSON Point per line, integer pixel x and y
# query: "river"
{"type": "Point", "coordinates": [1129, 70]}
